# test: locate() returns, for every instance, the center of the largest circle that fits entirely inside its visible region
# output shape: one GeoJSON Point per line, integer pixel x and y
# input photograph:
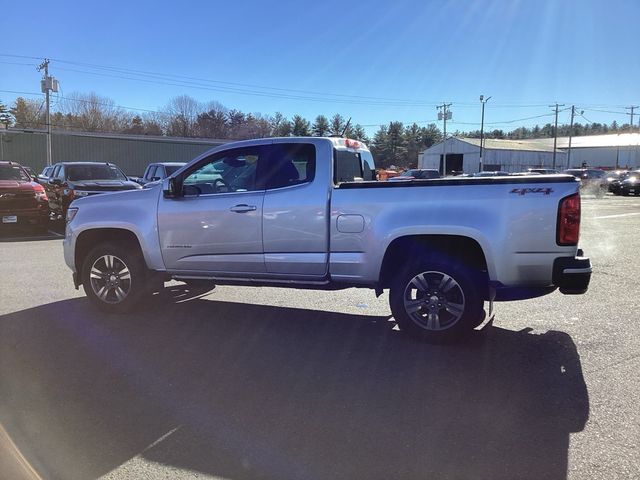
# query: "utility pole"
{"type": "Point", "coordinates": [555, 133]}
{"type": "Point", "coordinates": [483, 101]}
{"type": "Point", "coordinates": [47, 84]}
{"type": "Point", "coordinates": [444, 114]}
{"type": "Point", "coordinates": [573, 113]}
{"type": "Point", "coordinates": [632, 108]}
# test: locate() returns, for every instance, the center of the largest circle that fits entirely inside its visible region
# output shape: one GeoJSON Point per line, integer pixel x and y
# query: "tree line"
{"type": "Point", "coordinates": [183, 116]}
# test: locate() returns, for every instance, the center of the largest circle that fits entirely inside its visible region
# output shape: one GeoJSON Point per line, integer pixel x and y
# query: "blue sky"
{"type": "Point", "coordinates": [391, 60]}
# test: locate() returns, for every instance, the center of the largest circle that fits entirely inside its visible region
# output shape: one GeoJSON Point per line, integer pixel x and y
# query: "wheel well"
{"type": "Point", "coordinates": [407, 249]}
{"type": "Point", "coordinates": [90, 238]}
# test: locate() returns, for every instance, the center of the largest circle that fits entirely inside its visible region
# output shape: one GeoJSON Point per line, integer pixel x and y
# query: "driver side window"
{"type": "Point", "coordinates": [225, 172]}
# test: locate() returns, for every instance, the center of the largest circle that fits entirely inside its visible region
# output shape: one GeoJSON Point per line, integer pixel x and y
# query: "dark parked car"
{"type": "Point", "coordinates": [22, 201]}
{"type": "Point", "coordinates": [71, 180]}
{"type": "Point", "coordinates": [614, 179]}
{"type": "Point", "coordinates": [417, 174]}
{"type": "Point", "coordinates": [591, 179]}
{"type": "Point", "coordinates": [158, 171]}
{"type": "Point", "coordinates": [631, 184]}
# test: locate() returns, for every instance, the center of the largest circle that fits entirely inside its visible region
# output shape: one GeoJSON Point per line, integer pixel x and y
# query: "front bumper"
{"type": "Point", "coordinates": [26, 217]}
{"type": "Point", "coordinates": [572, 274]}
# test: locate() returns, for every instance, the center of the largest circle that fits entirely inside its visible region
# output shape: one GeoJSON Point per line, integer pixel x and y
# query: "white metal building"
{"type": "Point", "coordinates": [595, 151]}
{"type": "Point", "coordinates": [602, 151]}
{"type": "Point", "coordinates": [463, 154]}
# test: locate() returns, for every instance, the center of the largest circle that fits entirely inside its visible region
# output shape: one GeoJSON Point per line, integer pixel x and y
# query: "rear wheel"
{"type": "Point", "coordinates": [114, 277]}
{"type": "Point", "coordinates": [437, 301]}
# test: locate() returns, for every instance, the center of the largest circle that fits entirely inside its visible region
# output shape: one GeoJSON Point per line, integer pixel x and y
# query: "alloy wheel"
{"type": "Point", "coordinates": [434, 300]}
{"type": "Point", "coordinates": [110, 279]}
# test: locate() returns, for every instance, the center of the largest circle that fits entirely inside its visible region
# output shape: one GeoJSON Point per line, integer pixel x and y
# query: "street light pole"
{"type": "Point", "coordinates": [482, 101]}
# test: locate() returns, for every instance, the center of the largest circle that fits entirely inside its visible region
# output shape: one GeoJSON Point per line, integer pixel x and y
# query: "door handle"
{"type": "Point", "coordinates": [243, 208]}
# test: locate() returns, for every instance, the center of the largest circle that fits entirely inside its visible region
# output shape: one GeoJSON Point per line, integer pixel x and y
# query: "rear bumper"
{"type": "Point", "coordinates": [572, 274]}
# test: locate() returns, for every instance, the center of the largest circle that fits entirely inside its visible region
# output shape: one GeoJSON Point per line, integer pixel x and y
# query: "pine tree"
{"type": "Point", "coordinates": [320, 127]}
{"type": "Point", "coordinates": [360, 134]}
{"type": "Point", "coordinates": [6, 118]}
{"type": "Point", "coordinates": [337, 125]}
{"type": "Point", "coordinates": [301, 126]}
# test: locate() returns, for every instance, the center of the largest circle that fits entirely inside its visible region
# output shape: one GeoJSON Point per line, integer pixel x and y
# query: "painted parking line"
{"type": "Point", "coordinates": [13, 463]}
{"type": "Point", "coordinates": [618, 215]}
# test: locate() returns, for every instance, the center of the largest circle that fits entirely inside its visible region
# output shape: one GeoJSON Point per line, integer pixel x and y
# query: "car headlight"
{"type": "Point", "coordinates": [71, 214]}
{"type": "Point", "coordinates": [41, 196]}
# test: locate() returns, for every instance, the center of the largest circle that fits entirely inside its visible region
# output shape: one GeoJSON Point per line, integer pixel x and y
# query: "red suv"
{"type": "Point", "coordinates": [22, 201]}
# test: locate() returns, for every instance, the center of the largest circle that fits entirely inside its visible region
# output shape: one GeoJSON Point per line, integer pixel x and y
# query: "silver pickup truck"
{"type": "Point", "coordinates": [308, 213]}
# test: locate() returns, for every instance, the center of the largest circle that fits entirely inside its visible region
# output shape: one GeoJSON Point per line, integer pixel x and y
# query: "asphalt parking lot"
{"type": "Point", "coordinates": [245, 383]}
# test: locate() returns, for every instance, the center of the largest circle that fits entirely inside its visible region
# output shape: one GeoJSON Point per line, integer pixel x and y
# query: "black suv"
{"type": "Point", "coordinates": [71, 180]}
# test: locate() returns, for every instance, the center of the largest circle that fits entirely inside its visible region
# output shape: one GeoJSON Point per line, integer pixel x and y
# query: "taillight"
{"type": "Point", "coordinates": [568, 230]}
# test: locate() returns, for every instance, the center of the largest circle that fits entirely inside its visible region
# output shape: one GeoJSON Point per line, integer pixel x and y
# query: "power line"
{"type": "Point", "coordinates": [240, 88]}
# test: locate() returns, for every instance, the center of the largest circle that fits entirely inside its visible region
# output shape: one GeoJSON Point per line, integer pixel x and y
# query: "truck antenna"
{"type": "Point", "coordinates": [344, 130]}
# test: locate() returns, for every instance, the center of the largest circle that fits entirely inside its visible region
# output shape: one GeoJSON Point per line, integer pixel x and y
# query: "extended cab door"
{"type": "Point", "coordinates": [296, 207]}
{"type": "Point", "coordinates": [216, 225]}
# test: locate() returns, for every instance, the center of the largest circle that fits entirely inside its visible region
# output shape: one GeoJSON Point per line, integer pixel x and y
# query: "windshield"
{"type": "Point", "coordinates": [13, 172]}
{"type": "Point", "coordinates": [170, 169]}
{"type": "Point", "coordinates": [94, 172]}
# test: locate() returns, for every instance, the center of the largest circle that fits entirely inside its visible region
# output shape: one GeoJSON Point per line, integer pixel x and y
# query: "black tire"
{"type": "Point", "coordinates": [124, 277]}
{"type": "Point", "coordinates": [447, 297]}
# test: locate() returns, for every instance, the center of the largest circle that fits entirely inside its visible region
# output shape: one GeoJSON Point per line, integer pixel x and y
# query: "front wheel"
{"type": "Point", "coordinates": [437, 301]}
{"type": "Point", "coordinates": [114, 277]}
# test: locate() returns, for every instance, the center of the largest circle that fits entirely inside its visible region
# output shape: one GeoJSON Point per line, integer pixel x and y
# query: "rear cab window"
{"type": "Point", "coordinates": [352, 164]}
{"type": "Point", "coordinates": [289, 164]}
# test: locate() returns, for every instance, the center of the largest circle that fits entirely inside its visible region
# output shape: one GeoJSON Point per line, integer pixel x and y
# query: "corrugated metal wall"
{"type": "Point", "coordinates": [507, 160]}
{"type": "Point", "coordinates": [132, 154]}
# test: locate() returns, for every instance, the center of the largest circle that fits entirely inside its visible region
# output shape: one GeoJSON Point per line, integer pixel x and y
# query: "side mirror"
{"type": "Point", "coordinates": [172, 188]}
{"type": "Point", "coordinates": [55, 181]}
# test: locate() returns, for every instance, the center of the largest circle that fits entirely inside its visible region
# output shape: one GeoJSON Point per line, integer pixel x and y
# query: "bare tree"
{"type": "Point", "coordinates": [93, 113]}
{"type": "Point", "coordinates": [183, 112]}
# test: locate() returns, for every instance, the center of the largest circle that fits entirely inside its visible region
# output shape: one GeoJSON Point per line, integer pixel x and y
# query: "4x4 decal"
{"type": "Point", "coordinates": [524, 191]}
